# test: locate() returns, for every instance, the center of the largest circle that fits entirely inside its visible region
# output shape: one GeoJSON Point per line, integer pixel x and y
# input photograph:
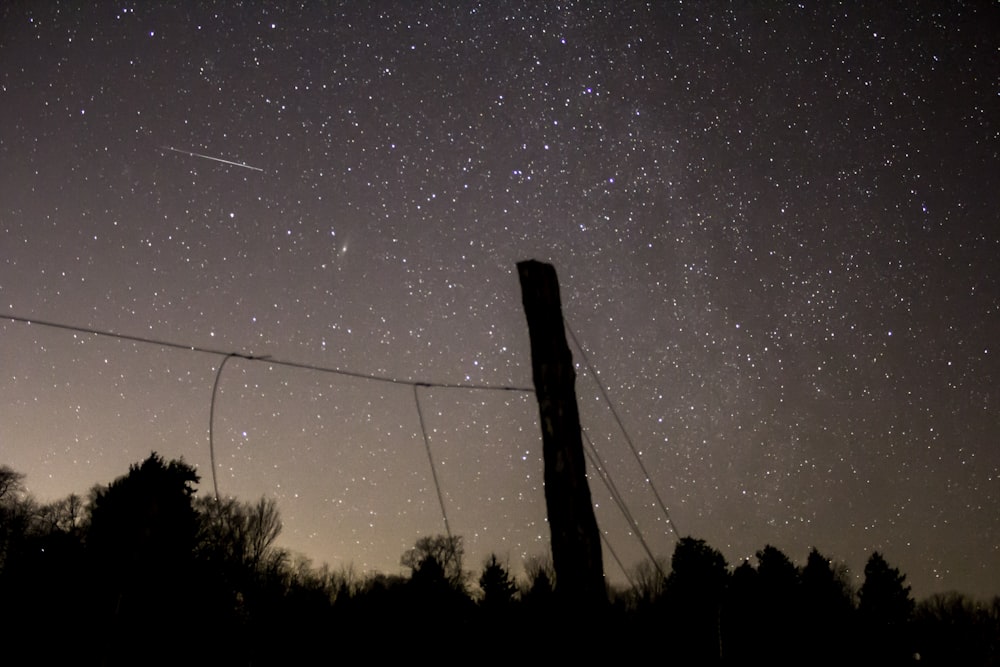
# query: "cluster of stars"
{"type": "Point", "coordinates": [771, 225]}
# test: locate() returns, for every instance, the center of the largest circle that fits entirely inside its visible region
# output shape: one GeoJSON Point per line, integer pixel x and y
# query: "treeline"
{"type": "Point", "coordinates": [779, 613]}
{"type": "Point", "coordinates": [144, 572]}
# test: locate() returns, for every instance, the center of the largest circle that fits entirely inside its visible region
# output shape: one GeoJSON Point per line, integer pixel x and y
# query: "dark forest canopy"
{"type": "Point", "coordinates": [143, 570]}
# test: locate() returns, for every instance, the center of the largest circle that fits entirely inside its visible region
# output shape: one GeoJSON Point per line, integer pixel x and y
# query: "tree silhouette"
{"type": "Point", "coordinates": [141, 572]}
{"type": "Point", "coordinates": [243, 577]}
{"type": "Point", "coordinates": [741, 618]}
{"type": "Point", "coordinates": [141, 543]}
{"type": "Point", "coordinates": [446, 552]}
{"type": "Point", "coordinates": [498, 586]}
{"type": "Point", "coordinates": [885, 607]}
{"type": "Point", "coordinates": [778, 579]}
{"type": "Point", "coordinates": [539, 573]}
{"type": "Point", "coordinates": [435, 596]}
{"type": "Point", "coordinates": [953, 629]}
{"type": "Point", "coordinates": [146, 517]}
{"type": "Point", "coordinates": [826, 611]}
{"type": "Point", "coordinates": [239, 533]}
{"type": "Point", "coordinates": [65, 515]}
{"type": "Point", "coordinates": [648, 582]}
{"type": "Point", "coordinates": [15, 514]}
{"type": "Point", "coordinates": [884, 598]}
{"type": "Point", "coordinates": [693, 596]}
{"type": "Point", "coordinates": [11, 483]}
{"type": "Point", "coordinates": [40, 571]}
{"type": "Point", "coordinates": [537, 591]}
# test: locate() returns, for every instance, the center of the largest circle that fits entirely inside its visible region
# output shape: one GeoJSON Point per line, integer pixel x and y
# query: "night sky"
{"type": "Point", "coordinates": [774, 224]}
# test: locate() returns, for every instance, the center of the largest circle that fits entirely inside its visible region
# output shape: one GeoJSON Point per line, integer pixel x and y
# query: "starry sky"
{"type": "Point", "coordinates": [774, 226]}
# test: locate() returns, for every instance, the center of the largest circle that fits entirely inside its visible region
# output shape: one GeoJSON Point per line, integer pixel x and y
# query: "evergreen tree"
{"type": "Point", "coordinates": [778, 606]}
{"type": "Point", "coordinates": [885, 608]}
{"type": "Point", "coordinates": [693, 599]}
{"type": "Point", "coordinates": [498, 586]}
{"type": "Point", "coordinates": [741, 618]}
{"type": "Point", "coordinates": [884, 598]}
{"type": "Point", "coordinates": [826, 611]}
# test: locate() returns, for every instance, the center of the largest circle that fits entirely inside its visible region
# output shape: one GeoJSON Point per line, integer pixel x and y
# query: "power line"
{"type": "Point", "coordinates": [277, 362]}
{"type": "Point", "coordinates": [430, 459]}
{"type": "Point", "coordinates": [211, 425]}
{"type": "Point", "coordinates": [211, 422]}
{"type": "Point", "coordinates": [619, 501]}
{"type": "Point", "coordinates": [621, 425]}
{"type": "Point", "coordinates": [415, 384]}
{"type": "Point", "coordinates": [292, 364]}
{"type": "Point", "coordinates": [611, 550]}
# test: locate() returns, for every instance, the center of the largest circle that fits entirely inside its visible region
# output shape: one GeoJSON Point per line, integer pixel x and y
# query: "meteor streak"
{"type": "Point", "coordinates": [209, 157]}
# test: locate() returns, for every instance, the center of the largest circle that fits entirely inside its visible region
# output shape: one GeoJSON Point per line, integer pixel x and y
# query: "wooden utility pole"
{"type": "Point", "coordinates": [576, 544]}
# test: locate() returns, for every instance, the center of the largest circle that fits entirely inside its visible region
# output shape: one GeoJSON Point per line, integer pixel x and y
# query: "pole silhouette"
{"type": "Point", "coordinates": [576, 545]}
